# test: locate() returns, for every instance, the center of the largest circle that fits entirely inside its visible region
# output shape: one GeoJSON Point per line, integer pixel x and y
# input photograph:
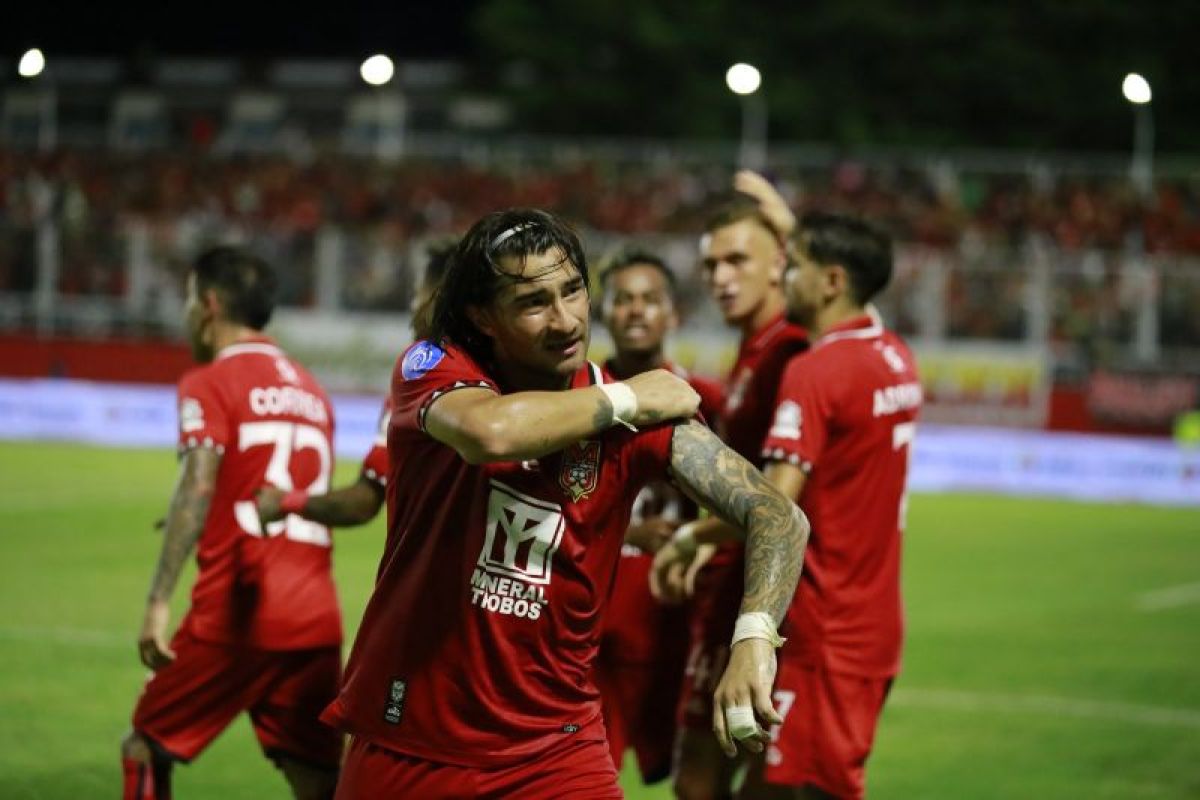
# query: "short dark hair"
{"type": "Point", "coordinates": [735, 207]}
{"type": "Point", "coordinates": [631, 256]}
{"type": "Point", "coordinates": [473, 273]}
{"type": "Point", "coordinates": [245, 282]}
{"type": "Point", "coordinates": [863, 249]}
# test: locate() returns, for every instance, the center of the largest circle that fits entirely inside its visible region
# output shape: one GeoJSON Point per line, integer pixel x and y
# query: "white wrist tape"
{"type": "Point", "coordinates": [756, 625]}
{"type": "Point", "coordinates": [624, 403]}
{"type": "Point", "coordinates": [684, 540]}
{"type": "Point", "coordinates": [740, 722]}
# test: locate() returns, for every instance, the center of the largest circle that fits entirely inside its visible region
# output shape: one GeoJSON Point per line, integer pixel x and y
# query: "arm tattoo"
{"type": "Point", "coordinates": [776, 529]}
{"type": "Point", "coordinates": [185, 519]}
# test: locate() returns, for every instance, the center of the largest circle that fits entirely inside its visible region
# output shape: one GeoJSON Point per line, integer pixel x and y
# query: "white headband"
{"type": "Point", "coordinates": [505, 235]}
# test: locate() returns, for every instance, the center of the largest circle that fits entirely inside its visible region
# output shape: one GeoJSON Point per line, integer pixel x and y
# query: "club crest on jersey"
{"type": "Point", "coordinates": [420, 359]}
{"type": "Point", "coordinates": [580, 472]}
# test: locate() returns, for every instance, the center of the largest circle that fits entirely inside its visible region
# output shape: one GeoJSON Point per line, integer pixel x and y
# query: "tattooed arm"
{"type": "Point", "coordinates": [484, 426]}
{"type": "Point", "coordinates": [185, 523]}
{"type": "Point", "coordinates": [729, 486]}
{"type": "Point", "coordinates": [776, 533]}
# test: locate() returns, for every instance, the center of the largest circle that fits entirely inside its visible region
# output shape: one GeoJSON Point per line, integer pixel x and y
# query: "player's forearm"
{"type": "Point", "coordinates": [354, 505]}
{"type": "Point", "coordinates": [776, 529]}
{"type": "Point", "coordinates": [185, 519]}
{"type": "Point", "coordinates": [526, 425]}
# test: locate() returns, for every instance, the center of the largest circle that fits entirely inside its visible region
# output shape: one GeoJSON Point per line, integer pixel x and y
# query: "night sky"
{"type": "Point", "coordinates": [430, 29]}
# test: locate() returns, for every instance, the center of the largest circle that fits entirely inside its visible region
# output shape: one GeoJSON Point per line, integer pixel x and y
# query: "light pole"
{"type": "Point", "coordinates": [1141, 166]}
{"type": "Point", "coordinates": [744, 80]}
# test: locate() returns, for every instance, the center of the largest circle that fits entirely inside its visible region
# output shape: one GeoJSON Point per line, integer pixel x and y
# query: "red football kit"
{"type": "Point", "coordinates": [640, 667]}
{"type": "Point", "coordinates": [264, 629]}
{"type": "Point", "coordinates": [477, 646]}
{"type": "Point", "coordinates": [846, 415]}
{"type": "Point", "coordinates": [743, 422]}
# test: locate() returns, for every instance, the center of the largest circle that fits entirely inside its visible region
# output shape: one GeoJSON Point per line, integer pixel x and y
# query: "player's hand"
{"type": "Point", "coordinates": [746, 686]}
{"type": "Point", "coordinates": [152, 642]}
{"type": "Point", "coordinates": [662, 395]}
{"type": "Point", "coordinates": [651, 534]}
{"type": "Point", "coordinates": [770, 201]}
{"type": "Point", "coordinates": [668, 573]}
{"type": "Point", "coordinates": [704, 554]}
{"type": "Point", "coordinates": [268, 499]}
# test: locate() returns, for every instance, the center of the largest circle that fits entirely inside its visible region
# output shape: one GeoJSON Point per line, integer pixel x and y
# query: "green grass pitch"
{"type": "Point", "coordinates": [1053, 648]}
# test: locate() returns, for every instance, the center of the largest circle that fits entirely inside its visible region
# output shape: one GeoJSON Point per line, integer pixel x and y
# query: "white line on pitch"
{"type": "Point", "coordinates": [1046, 705]}
{"type": "Point", "coordinates": [1171, 597]}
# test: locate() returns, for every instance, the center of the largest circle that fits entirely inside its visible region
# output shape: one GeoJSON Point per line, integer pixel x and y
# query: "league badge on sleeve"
{"type": "Point", "coordinates": [420, 359]}
{"type": "Point", "coordinates": [580, 472]}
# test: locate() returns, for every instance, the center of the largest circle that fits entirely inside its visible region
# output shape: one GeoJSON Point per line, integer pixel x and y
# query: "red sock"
{"type": "Point", "coordinates": [146, 781]}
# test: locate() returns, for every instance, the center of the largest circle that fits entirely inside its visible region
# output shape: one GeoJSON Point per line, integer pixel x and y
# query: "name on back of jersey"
{"type": "Point", "coordinates": [274, 401]}
{"type": "Point", "coordinates": [894, 399]}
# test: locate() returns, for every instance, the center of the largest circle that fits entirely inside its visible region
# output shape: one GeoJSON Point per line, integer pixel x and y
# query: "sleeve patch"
{"type": "Point", "coordinates": [420, 359]}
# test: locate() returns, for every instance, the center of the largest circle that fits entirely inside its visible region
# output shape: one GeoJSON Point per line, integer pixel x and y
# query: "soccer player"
{"type": "Point", "coordinates": [358, 503]}
{"type": "Point", "coordinates": [839, 443]}
{"type": "Point", "coordinates": [644, 644]}
{"type": "Point", "coordinates": [514, 467]}
{"type": "Point", "coordinates": [263, 632]}
{"type": "Point", "coordinates": [743, 261]}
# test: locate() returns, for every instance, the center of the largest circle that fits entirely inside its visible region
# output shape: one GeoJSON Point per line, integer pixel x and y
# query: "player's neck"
{"type": "Point", "coordinates": [627, 364]}
{"type": "Point", "coordinates": [835, 314]}
{"type": "Point", "coordinates": [771, 307]}
{"type": "Point", "coordinates": [515, 378]}
{"type": "Point", "coordinates": [227, 334]}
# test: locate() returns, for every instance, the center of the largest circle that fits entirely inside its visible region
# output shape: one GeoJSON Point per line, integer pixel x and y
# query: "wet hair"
{"type": "Point", "coordinates": [736, 207]}
{"type": "Point", "coordinates": [635, 256]}
{"type": "Point", "coordinates": [862, 249]}
{"type": "Point", "coordinates": [473, 273]}
{"type": "Point", "coordinates": [245, 282]}
{"type": "Point", "coordinates": [437, 255]}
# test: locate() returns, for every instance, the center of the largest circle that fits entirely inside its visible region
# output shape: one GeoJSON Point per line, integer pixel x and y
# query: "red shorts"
{"type": "Point", "coordinates": [573, 769]}
{"type": "Point", "coordinates": [185, 705]}
{"type": "Point", "coordinates": [714, 611]}
{"type": "Point", "coordinates": [828, 727]}
{"type": "Point", "coordinates": [639, 703]}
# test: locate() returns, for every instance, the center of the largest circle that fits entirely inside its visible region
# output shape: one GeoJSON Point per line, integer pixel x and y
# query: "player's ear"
{"type": "Point", "coordinates": [481, 318]}
{"type": "Point", "coordinates": [837, 280]}
{"type": "Point", "coordinates": [210, 301]}
{"type": "Point", "coordinates": [778, 266]}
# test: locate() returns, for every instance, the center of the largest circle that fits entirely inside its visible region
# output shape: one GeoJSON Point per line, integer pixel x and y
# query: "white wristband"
{"type": "Point", "coordinates": [624, 403]}
{"type": "Point", "coordinates": [756, 625]}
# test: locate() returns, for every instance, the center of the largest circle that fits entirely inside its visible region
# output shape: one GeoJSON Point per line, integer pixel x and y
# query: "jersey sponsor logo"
{"type": "Point", "coordinates": [515, 565]}
{"type": "Point", "coordinates": [580, 472]}
{"type": "Point", "coordinates": [191, 415]}
{"type": "Point", "coordinates": [287, 373]}
{"type": "Point", "coordinates": [420, 358]}
{"type": "Point", "coordinates": [894, 399]}
{"type": "Point", "coordinates": [787, 421]}
{"type": "Point", "coordinates": [274, 401]}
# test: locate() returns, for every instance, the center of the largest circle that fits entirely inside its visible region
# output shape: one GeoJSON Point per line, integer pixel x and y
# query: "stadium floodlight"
{"type": "Point", "coordinates": [32, 63]}
{"type": "Point", "coordinates": [377, 70]}
{"type": "Point", "coordinates": [743, 79]}
{"type": "Point", "coordinates": [1136, 89]}
{"type": "Point", "coordinates": [1141, 165]}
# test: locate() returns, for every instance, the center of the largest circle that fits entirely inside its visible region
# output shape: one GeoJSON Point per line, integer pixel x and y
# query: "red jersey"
{"type": "Point", "coordinates": [637, 626]}
{"type": "Point", "coordinates": [476, 647]}
{"type": "Point", "coordinates": [846, 415]}
{"type": "Point", "coordinates": [750, 399]}
{"type": "Point", "coordinates": [375, 465]}
{"type": "Point", "coordinates": [273, 424]}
